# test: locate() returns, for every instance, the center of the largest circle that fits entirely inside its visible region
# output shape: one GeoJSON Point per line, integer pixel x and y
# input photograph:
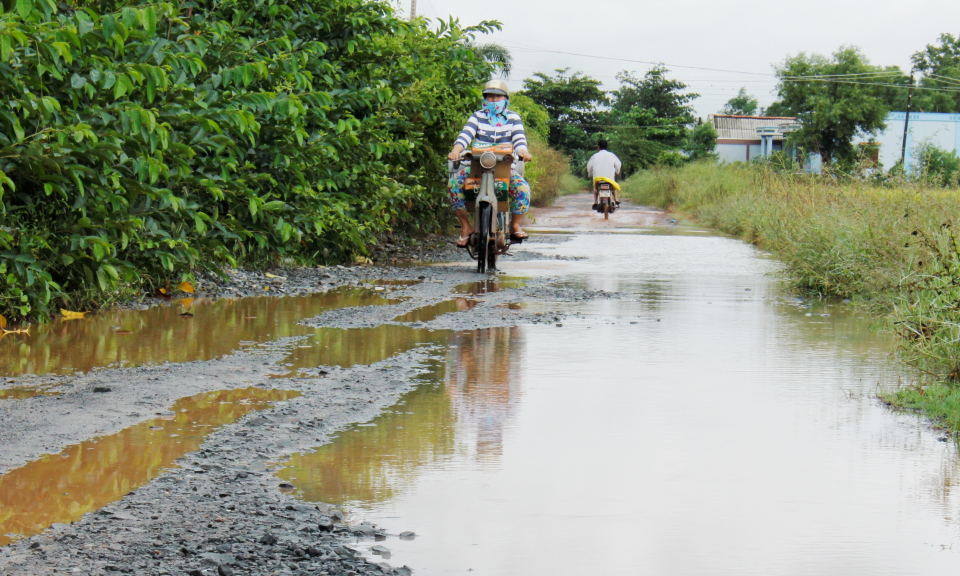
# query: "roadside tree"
{"type": "Point", "coordinates": [648, 116]}
{"type": "Point", "coordinates": [573, 103]}
{"type": "Point", "coordinates": [497, 55]}
{"type": "Point", "coordinates": [940, 65]}
{"type": "Point", "coordinates": [742, 104]}
{"type": "Point", "coordinates": [701, 142]}
{"type": "Point", "coordinates": [831, 112]}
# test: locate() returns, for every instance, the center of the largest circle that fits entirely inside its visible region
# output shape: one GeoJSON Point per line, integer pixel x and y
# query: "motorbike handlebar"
{"type": "Point", "coordinates": [454, 165]}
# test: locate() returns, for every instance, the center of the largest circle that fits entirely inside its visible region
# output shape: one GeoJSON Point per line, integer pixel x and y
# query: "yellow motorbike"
{"type": "Point", "coordinates": [485, 192]}
{"type": "Point", "coordinates": [605, 198]}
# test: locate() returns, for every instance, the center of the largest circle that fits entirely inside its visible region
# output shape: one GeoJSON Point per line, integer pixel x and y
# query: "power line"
{"type": "Point", "coordinates": [619, 125]}
{"type": "Point", "coordinates": [537, 49]}
{"type": "Point", "coordinates": [901, 86]}
{"type": "Point", "coordinates": [947, 79]}
{"type": "Point", "coordinates": [850, 74]}
{"type": "Point", "coordinates": [812, 77]}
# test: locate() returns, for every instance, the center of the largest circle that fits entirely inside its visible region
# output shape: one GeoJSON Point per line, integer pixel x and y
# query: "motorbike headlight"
{"type": "Point", "coordinates": [488, 160]}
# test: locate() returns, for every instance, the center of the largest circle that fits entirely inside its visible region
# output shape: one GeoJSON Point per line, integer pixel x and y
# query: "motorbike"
{"type": "Point", "coordinates": [605, 203]}
{"type": "Point", "coordinates": [485, 192]}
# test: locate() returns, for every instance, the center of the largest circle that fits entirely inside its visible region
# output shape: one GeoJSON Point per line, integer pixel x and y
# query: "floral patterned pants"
{"type": "Point", "coordinates": [518, 190]}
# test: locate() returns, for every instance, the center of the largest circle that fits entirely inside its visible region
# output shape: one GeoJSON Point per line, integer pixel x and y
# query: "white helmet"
{"type": "Point", "coordinates": [496, 87]}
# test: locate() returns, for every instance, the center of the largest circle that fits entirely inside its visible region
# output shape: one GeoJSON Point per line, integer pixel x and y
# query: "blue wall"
{"type": "Point", "coordinates": [942, 130]}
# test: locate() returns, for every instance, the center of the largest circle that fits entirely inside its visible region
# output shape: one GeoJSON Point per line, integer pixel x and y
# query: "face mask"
{"type": "Point", "coordinates": [496, 112]}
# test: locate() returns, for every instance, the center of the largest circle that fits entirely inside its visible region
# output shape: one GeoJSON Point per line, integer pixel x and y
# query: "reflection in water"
{"type": "Point", "coordinates": [160, 333]}
{"type": "Point", "coordinates": [483, 380]}
{"type": "Point", "coordinates": [404, 283]}
{"type": "Point", "coordinates": [462, 407]}
{"type": "Point", "coordinates": [21, 393]}
{"type": "Point", "coordinates": [428, 313]}
{"type": "Point", "coordinates": [87, 476]}
{"type": "Point", "coordinates": [347, 347]}
{"type": "Point", "coordinates": [366, 463]}
{"type": "Point", "coordinates": [489, 285]}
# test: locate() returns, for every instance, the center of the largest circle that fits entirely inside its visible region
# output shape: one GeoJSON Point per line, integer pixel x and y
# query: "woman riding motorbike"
{"type": "Point", "coordinates": [496, 124]}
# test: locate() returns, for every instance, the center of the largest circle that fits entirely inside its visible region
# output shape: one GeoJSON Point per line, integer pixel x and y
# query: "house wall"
{"type": "Point", "coordinates": [729, 153]}
{"type": "Point", "coordinates": [942, 130]}
{"type": "Point", "coordinates": [736, 151]}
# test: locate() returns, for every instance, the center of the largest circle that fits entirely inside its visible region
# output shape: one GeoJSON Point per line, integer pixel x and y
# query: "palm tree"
{"type": "Point", "coordinates": [497, 55]}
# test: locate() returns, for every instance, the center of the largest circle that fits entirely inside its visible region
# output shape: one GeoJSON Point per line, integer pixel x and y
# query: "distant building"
{"type": "Point", "coordinates": [942, 130]}
{"type": "Point", "coordinates": [743, 138]}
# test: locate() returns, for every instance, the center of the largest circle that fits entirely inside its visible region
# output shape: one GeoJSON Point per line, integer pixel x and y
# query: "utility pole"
{"type": "Point", "coordinates": [906, 125]}
{"type": "Point", "coordinates": [413, 9]}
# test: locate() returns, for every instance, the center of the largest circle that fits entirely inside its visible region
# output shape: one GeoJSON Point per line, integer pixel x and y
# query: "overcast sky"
{"type": "Point", "coordinates": [742, 35]}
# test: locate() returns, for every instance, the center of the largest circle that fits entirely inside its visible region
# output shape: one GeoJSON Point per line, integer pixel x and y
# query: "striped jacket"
{"type": "Point", "coordinates": [478, 128]}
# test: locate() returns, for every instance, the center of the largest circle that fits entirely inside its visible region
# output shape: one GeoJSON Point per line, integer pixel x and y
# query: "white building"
{"type": "Point", "coordinates": [942, 130]}
{"type": "Point", "coordinates": [743, 138]}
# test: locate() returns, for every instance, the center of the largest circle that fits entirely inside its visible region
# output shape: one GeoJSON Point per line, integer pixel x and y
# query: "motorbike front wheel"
{"type": "Point", "coordinates": [486, 249]}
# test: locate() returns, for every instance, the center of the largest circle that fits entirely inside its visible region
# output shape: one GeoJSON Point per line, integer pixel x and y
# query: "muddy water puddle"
{"type": "Point", "coordinates": [346, 347]}
{"type": "Point", "coordinates": [423, 429]}
{"type": "Point", "coordinates": [24, 392]}
{"type": "Point", "coordinates": [431, 312]}
{"type": "Point", "coordinates": [489, 285]}
{"type": "Point", "coordinates": [60, 488]}
{"type": "Point", "coordinates": [184, 331]}
{"type": "Point", "coordinates": [404, 283]}
{"type": "Point", "coordinates": [702, 425]}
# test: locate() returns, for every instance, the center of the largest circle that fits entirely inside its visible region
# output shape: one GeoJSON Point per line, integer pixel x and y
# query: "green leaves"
{"type": "Point", "coordinates": [224, 140]}
{"type": "Point", "coordinates": [831, 114]}
{"type": "Point", "coordinates": [24, 7]}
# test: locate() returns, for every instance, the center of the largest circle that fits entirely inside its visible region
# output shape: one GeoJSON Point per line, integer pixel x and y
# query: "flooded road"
{"type": "Point", "coordinates": [707, 425]}
{"type": "Point", "coordinates": [662, 407]}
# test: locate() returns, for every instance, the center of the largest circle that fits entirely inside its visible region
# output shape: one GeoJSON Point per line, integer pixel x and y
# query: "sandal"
{"type": "Point", "coordinates": [518, 237]}
{"type": "Point", "coordinates": [464, 239]}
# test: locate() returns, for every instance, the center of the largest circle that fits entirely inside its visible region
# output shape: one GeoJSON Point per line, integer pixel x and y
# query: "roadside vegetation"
{"type": "Point", "coordinates": [890, 244]}
{"type": "Point", "coordinates": [549, 167]}
{"type": "Point", "coordinates": [140, 143]}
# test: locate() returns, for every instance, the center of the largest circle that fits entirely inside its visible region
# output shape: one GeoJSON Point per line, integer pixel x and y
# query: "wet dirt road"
{"type": "Point", "coordinates": [647, 401]}
{"type": "Point", "coordinates": [573, 213]}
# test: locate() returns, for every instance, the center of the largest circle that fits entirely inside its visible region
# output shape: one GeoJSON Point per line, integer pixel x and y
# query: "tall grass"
{"type": "Point", "coordinates": [853, 240]}
{"type": "Point", "coordinates": [892, 247]}
{"type": "Point", "coordinates": [571, 184]}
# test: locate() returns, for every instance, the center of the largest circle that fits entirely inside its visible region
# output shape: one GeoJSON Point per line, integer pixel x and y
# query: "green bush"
{"type": "Point", "coordinates": [938, 166]}
{"type": "Point", "coordinates": [701, 142]}
{"type": "Point", "coordinates": [671, 159]}
{"type": "Point", "coordinates": [545, 172]}
{"type": "Point", "coordinates": [140, 142]}
{"type": "Point", "coordinates": [536, 119]}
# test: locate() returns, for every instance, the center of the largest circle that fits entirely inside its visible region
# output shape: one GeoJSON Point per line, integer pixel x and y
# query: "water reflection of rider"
{"type": "Point", "coordinates": [492, 124]}
{"type": "Point", "coordinates": [604, 165]}
{"type": "Point", "coordinates": [483, 379]}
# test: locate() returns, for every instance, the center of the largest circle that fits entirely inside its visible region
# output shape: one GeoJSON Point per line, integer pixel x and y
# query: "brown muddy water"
{"type": "Point", "coordinates": [488, 285]}
{"type": "Point", "coordinates": [87, 476]}
{"type": "Point", "coordinates": [24, 392]}
{"type": "Point", "coordinates": [164, 333]}
{"type": "Point", "coordinates": [431, 312]}
{"type": "Point", "coordinates": [703, 425]}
